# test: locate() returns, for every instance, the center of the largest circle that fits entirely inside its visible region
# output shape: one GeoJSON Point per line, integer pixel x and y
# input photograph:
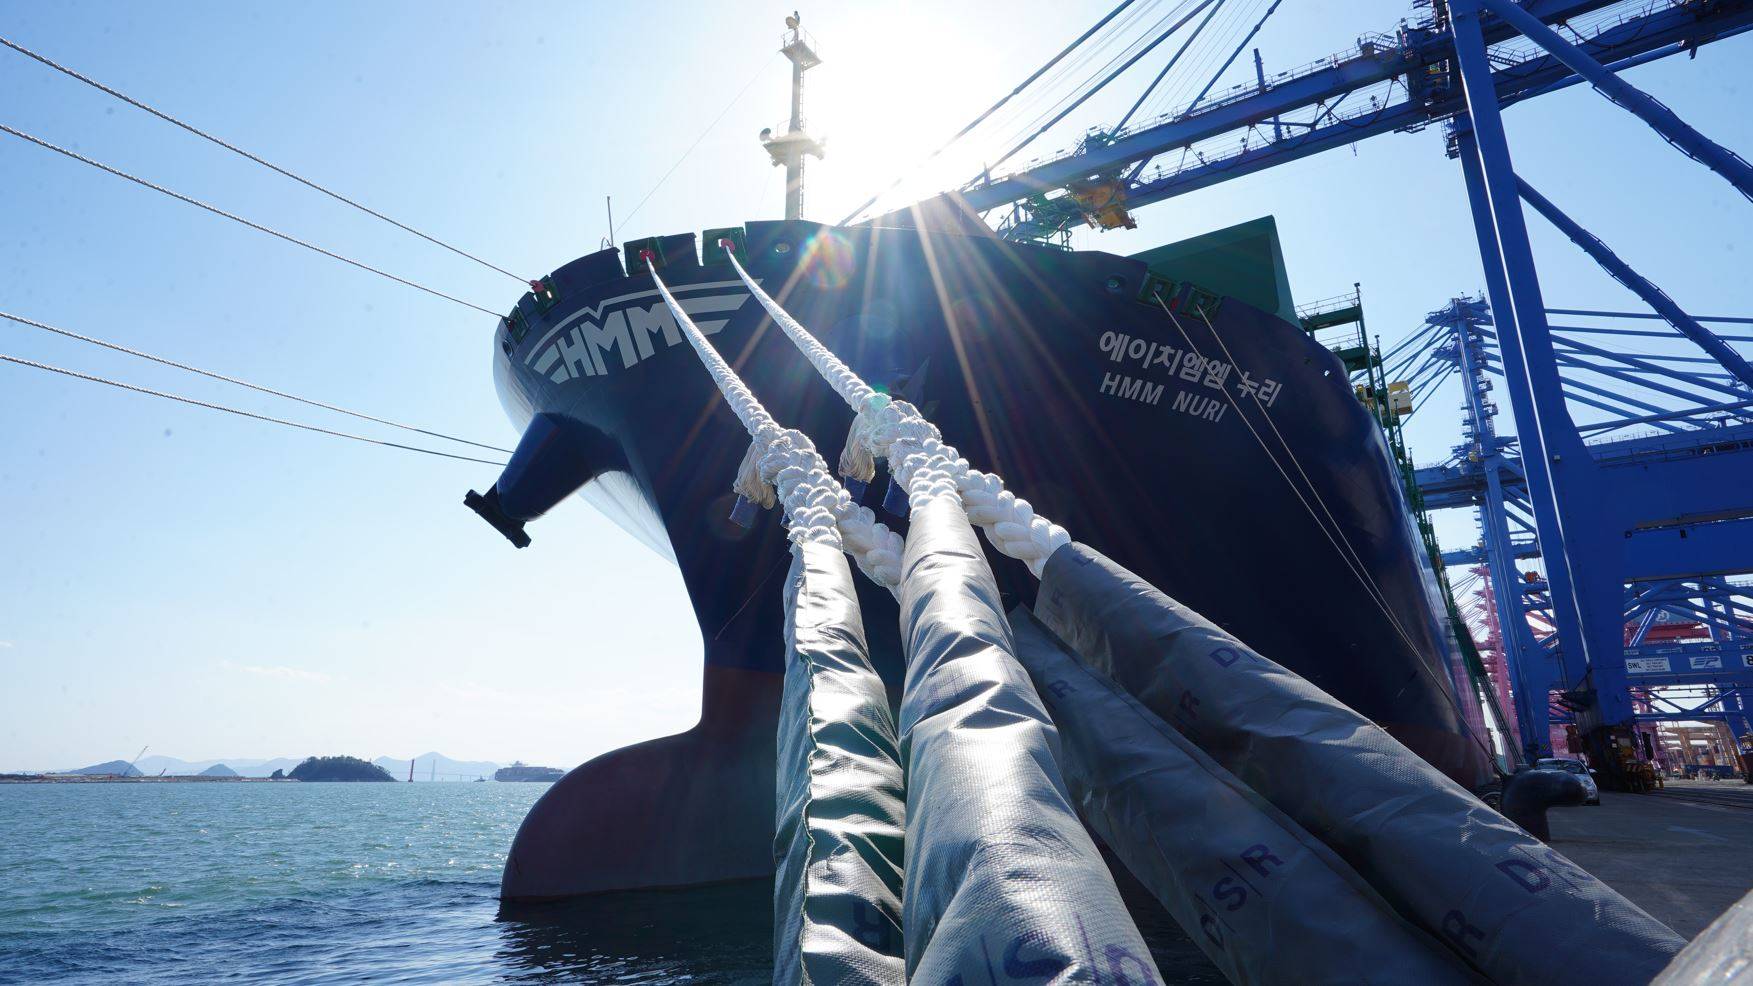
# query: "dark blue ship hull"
{"type": "Point", "coordinates": [1040, 365]}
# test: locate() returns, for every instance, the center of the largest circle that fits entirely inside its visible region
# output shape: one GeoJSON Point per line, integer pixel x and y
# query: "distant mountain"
{"type": "Point", "coordinates": [218, 770]}
{"type": "Point", "coordinates": [122, 767]}
{"type": "Point", "coordinates": [170, 765]}
{"type": "Point", "coordinates": [244, 766]}
{"type": "Point", "coordinates": [427, 767]}
{"type": "Point", "coordinates": [438, 767]}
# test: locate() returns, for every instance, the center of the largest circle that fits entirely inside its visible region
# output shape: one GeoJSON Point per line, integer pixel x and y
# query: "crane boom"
{"type": "Point", "coordinates": [1305, 112]}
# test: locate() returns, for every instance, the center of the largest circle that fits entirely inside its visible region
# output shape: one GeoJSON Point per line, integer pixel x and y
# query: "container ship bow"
{"type": "Point", "coordinates": [1167, 407]}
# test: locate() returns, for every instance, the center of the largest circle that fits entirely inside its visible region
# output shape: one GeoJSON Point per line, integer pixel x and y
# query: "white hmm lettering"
{"type": "Point", "coordinates": [579, 350]}
{"type": "Point", "coordinates": [614, 332]}
{"type": "Point", "coordinates": [1131, 388]}
{"type": "Point", "coordinates": [644, 323]}
{"type": "Point", "coordinates": [1209, 408]}
{"type": "Point", "coordinates": [575, 354]}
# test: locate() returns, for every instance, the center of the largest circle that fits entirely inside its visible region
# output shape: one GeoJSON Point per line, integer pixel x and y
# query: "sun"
{"type": "Point", "coordinates": [885, 97]}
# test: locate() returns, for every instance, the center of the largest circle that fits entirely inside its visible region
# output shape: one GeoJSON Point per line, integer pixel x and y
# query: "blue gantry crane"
{"type": "Point", "coordinates": [1401, 81]}
{"type": "Point", "coordinates": [1679, 509]}
{"type": "Point", "coordinates": [1641, 513]}
{"type": "Point", "coordinates": [1651, 419]}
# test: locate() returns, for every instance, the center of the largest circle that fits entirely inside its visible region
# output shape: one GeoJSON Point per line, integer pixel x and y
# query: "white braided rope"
{"type": "Point", "coordinates": [856, 460]}
{"type": "Point", "coordinates": [925, 471]}
{"type": "Point", "coordinates": [875, 548]}
{"type": "Point", "coordinates": [813, 498]}
{"type": "Point", "coordinates": [846, 383]}
{"type": "Point", "coordinates": [802, 485]}
{"type": "Point", "coordinates": [783, 463]}
{"type": "Point", "coordinates": [895, 430]}
{"type": "Point", "coordinates": [926, 468]}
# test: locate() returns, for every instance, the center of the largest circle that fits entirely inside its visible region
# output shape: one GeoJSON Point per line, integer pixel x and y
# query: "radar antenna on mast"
{"type": "Point", "coordinates": [794, 144]}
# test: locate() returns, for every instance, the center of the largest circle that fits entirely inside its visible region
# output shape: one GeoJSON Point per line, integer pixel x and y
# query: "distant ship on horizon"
{"type": "Point", "coordinates": [520, 771]}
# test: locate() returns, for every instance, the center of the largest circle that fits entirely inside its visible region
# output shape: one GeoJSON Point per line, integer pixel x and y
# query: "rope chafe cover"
{"type": "Point", "coordinates": [1511, 907]}
{"type": "Point", "coordinates": [838, 847]}
{"type": "Point", "coordinates": [1263, 899]}
{"type": "Point", "coordinates": [1000, 872]}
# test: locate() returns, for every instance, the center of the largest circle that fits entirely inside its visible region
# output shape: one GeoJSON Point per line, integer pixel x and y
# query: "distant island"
{"type": "Point", "coordinates": [520, 771]}
{"type": "Point", "coordinates": [158, 768]}
{"type": "Point", "coordinates": [339, 769]}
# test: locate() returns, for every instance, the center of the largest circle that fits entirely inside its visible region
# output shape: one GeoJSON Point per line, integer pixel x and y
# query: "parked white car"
{"type": "Point", "coordinates": [1576, 767]}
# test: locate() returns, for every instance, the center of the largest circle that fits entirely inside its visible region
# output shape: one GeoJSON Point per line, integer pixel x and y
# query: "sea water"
{"type": "Point", "coordinates": [344, 883]}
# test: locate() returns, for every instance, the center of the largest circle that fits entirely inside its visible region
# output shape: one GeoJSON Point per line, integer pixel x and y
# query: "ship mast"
{"type": "Point", "coordinates": [791, 147]}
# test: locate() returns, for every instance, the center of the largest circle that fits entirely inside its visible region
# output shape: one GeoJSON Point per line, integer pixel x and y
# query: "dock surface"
{"type": "Point", "coordinates": [1684, 853]}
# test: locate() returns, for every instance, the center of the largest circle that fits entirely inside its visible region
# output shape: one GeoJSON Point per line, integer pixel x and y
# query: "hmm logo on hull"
{"type": "Point", "coordinates": [618, 332]}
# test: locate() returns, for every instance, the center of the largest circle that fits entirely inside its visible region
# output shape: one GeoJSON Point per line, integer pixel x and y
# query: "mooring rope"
{"type": "Point", "coordinates": [181, 399]}
{"type": "Point", "coordinates": [233, 148]}
{"type": "Point", "coordinates": [783, 464]}
{"type": "Point", "coordinates": [118, 347]}
{"type": "Point", "coordinates": [883, 428]}
{"type": "Point", "coordinates": [288, 237]}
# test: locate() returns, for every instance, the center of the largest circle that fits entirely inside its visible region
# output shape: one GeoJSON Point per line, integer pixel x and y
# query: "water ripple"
{"type": "Point", "coordinates": [168, 884]}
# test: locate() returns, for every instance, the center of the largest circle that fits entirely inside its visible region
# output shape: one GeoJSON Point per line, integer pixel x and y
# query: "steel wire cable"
{"type": "Point", "coordinates": [1027, 115]}
{"type": "Point", "coordinates": [1227, 29]}
{"type": "Point", "coordinates": [1412, 336]}
{"type": "Point", "coordinates": [1336, 535]}
{"type": "Point", "coordinates": [1043, 100]}
{"type": "Point", "coordinates": [1174, 60]}
{"type": "Point", "coordinates": [1155, 118]}
{"type": "Point", "coordinates": [1592, 313]}
{"type": "Point", "coordinates": [1399, 369]}
{"type": "Point", "coordinates": [1432, 366]}
{"type": "Point", "coordinates": [1340, 542]}
{"type": "Point", "coordinates": [703, 135]}
{"type": "Point", "coordinates": [1195, 66]}
{"type": "Point", "coordinates": [75, 155]}
{"type": "Point", "coordinates": [995, 107]}
{"type": "Point", "coordinates": [20, 319]}
{"type": "Point", "coordinates": [20, 361]}
{"type": "Point", "coordinates": [1185, 79]}
{"type": "Point", "coordinates": [1435, 385]}
{"type": "Point", "coordinates": [1089, 87]}
{"type": "Point", "coordinates": [1043, 103]}
{"type": "Point", "coordinates": [1361, 570]}
{"type": "Point", "coordinates": [1234, 54]}
{"type": "Point", "coordinates": [197, 131]}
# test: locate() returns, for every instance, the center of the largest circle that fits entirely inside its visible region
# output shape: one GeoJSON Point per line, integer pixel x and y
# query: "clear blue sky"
{"type": "Point", "coordinates": [216, 587]}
